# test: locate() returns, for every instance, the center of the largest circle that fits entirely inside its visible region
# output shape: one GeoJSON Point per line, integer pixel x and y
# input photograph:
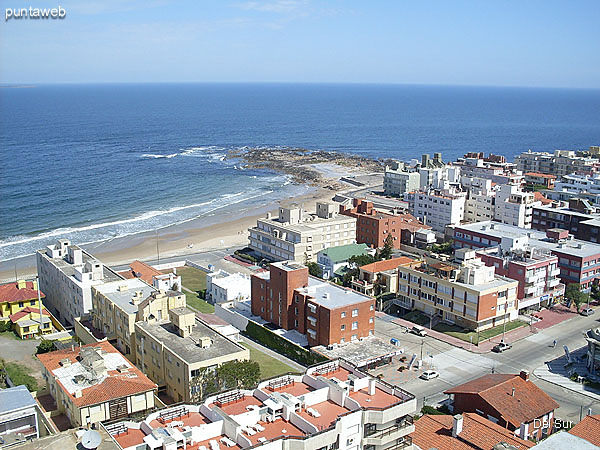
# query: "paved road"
{"type": "Point", "coordinates": [457, 366]}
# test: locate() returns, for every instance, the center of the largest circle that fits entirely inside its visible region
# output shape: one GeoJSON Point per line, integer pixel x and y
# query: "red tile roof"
{"type": "Point", "coordinates": [138, 269]}
{"type": "Point", "coordinates": [115, 385]}
{"type": "Point", "coordinates": [478, 433]}
{"type": "Point", "coordinates": [539, 197]}
{"type": "Point", "coordinates": [588, 429]}
{"type": "Point", "coordinates": [30, 309]}
{"type": "Point", "coordinates": [10, 292]}
{"type": "Point", "coordinates": [528, 402]}
{"type": "Point", "coordinates": [387, 264]}
{"type": "Point", "coordinates": [540, 175]}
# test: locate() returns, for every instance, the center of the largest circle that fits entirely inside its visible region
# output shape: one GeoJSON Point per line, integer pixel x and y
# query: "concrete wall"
{"type": "Point", "coordinates": [232, 317]}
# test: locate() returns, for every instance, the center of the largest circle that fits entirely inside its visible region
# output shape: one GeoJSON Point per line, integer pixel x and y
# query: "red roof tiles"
{"type": "Point", "coordinates": [528, 401]}
{"type": "Point", "coordinates": [30, 309]}
{"type": "Point", "coordinates": [138, 269]}
{"type": "Point", "coordinates": [478, 433]}
{"type": "Point", "coordinates": [115, 385]}
{"type": "Point", "coordinates": [588, 429]}
{"type": "Point", "coordinates": [388, 264]}
{"type": "Point", "coordinates": [10, 292]}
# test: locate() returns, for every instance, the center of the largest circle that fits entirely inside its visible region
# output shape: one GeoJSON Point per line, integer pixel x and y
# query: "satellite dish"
{"type": "Point", "coordinates": [91, 439]}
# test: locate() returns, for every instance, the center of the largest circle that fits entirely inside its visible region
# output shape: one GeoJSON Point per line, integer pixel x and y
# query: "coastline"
{"type": "Point", "coordinates": [222, 230]}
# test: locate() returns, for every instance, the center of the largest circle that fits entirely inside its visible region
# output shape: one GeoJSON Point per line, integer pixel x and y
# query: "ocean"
{"type": "Point", "coordinates": [96, 162]}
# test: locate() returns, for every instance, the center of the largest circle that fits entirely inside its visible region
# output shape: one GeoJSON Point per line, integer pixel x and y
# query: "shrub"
{"type": "Point", "coordinates": [45, 347]}
{"type": "Point", "coordinates": [280, 345]}
{"type": "Point", "coordinates": [5, 325]}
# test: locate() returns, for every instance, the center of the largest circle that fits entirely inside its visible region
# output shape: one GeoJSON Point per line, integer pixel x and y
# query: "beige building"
{"type": "Point", "coordinates": [469, 295]}
{"type": "Point", "coordinates": [298, 236]}
{"type": "Point", "coordinates": [172, 352]}
{"type": "Point", "coordinates": [94, 383]}
{"type": "Point", "coordinates": [119, 304]}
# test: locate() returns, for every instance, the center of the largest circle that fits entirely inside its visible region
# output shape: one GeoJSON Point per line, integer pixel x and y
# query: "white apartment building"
{"type": "Point", "coordinates": [67, 274]}
{"type": "Point", "coordinates": [398, 180]}
{"type": "Point", "coordinates": [578, 184]}
{"type": "Point", "coordinates": [481, 199]}
{"type": "Point", "coordinates": [559, 163]}
{"type": "Point", "coordinates": [438, 177]}
{"type": "Point", "coordinates": [298, 236]}
{"type": "Point", "coordinates": [167, 281]}
{"type": "Point", "coordinates": [222, 286]}
{"type": "Point", "coordinates": [469, 295]}
{"type": "Point", "coordinates": [438, 208]}
{"type": "Point", "coordinates": [514, 207]}
{"type": "Point", "coordinates": [332, 406]}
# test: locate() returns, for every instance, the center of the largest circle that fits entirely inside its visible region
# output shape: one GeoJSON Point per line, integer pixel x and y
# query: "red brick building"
{"type": "Point", "coordinates": [512, 401]}
{"type": "Point", "coordinates": [328, 314]}
{"type": "Point", "coordinates": [373, 227]}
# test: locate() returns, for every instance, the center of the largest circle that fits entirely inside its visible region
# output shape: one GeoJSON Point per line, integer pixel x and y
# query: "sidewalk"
{"type": "Point", "coordinates": [555, 372]}
{"type": "Point", "coordinates": [484, 347]}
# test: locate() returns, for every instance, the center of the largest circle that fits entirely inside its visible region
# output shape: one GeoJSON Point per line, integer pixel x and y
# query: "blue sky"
{"type": "Point", "coordinates": [504, 43]}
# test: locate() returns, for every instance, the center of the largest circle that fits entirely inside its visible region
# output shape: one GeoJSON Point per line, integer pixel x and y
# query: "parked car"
{"type": "Point", "coordinates": [418, 330]}
{"type": "Point", "coordinates": [587, 312]}
{"type": "Point", "coordinates": [502, 346]}
{"type": "Point", "coordinates": [429, 374]}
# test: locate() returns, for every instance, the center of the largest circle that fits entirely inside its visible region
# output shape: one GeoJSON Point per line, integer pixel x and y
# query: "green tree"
{"type": "Point", "coordinates": [573, 292]}
{"type": "Point", "coordinates": [355, 262]}
{"type": "Point", "coordinates": [314, 269]}
{"type": "Point", "coordinates": [387, 249]}
{"type": "Point", "coordinates": [45, 347]}
{"type": "Point", "coordinates": [443, 248]}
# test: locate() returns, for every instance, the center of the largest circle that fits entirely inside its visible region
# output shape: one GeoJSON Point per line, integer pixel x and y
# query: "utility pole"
{"type": "Point", "coordinates": [504, 325]}
{"type": "Point", "coordinates": [422, 341]}
{"type": "Point", "coordinates": [157, 251]}
{"type": "Point", "coordinates": [37, 279]}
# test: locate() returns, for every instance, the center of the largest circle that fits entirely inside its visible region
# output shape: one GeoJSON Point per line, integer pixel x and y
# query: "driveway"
{"type": "Point", "coordinates": [22, 352]}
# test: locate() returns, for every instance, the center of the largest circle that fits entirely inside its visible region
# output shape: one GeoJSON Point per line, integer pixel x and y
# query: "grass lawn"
{"type": "Point", "coordinates": [195, 280]}
{"type": "Point", "coordinates": [417, 317]}
{"type": "Point", "coordinates": [20, 375]}
{"type": "Point", "coordinates": [9, 335]}
{"type": "Point", "coordinates": [461, 333]}
{"type": "Point", "coordinates": [269, 367]}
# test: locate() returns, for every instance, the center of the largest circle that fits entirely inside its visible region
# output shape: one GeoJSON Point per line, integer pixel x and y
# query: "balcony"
{"type": "Point", "coordinates": [553, 282]}
{"type": "Point", "coordinates": [530, 289]}
{"type": "Point", "coordinates": [365, 287]}
{"type": "Point", "coordinates": [555, 272]}
{"type": "Point", "coordinates": [401, 444]}
{"type": "Point", "coordinates": [533, 278]}
{"type": "Point", "coordinates": [401, 428]}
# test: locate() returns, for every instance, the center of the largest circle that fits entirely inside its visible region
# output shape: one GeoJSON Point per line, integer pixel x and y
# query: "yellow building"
{"type": "Point", "coordinates": [20, 310]}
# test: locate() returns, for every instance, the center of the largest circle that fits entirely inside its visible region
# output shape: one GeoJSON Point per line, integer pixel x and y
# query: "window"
{"type": "Point", "coordinates": [343, 327]}
{"type": "Point", "coordinates": [354, 325]}
{"type": "Point", "coordinates": [343, 314]}
{"type": "Point", "coordinates": [354, 337]}
{"type": "Point", "coordinates": [370, 320]}
{"type": "Point", "coordinates": [371, 308]}
{"type": "Point", "coordinates": [355, 312]}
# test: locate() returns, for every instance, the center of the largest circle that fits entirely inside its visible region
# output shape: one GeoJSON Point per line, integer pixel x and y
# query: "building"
{"type": "Point", "coordinates": [438, 208]}
{"type": "Point", "coordinates": [562, 162]}
{"type": "Point", "coordinates": [154, 277]}
{"type": "Point", "coordinates": [399, 179]}
{"type": "Point", "coordinates": [578, 261]}
{"type": "Point", "coordinates": [469, 295]}
{"type": "Point", "coordinates": [70, 439]}
{"type": "Point", "coordinates": [564, 440]}
{"type": "Point", "coordinates": [588, 429]}
{"type": "Point", "coordinates": [334, 260]}
{"type": "Point", "coordinates": [67, 274]}
{"type": "Point", "coordinates": [373, 227]}
{"type": "Point", "coordinates": [222, 286]}
{"type": "Point", "coordinates": [94, 383]}
{"type": "Point", "coordinates": [173, 352]}
{"type": "Point", "coordinates": [512, 401]}
{"type": "Point", "coordinates": [383, 274]}
{"type": "Point", "coordinates": [327, 313]}
{"type": "Point", "coordinates": [20, 305]}
{"type": "Point", "coordinates": [18, 417]}
{"type": "Point", "coordinates": [119, 304]}
{"type": "Point", "coordinates": [297, 236]}
{"type": "Point", "coordinates": [513, 206]}
{"type": "Point", "coordinates": [493, 167]}
{"type": "Point", "coordinates": [580, 218]}
{"type": "Point", "coordinates": [330, 406]}
{"type": "Point", "coordinates": [466, 431]}
{"type": "Point", "coordinates": [593, 351]}
{"type": "Point", "coordinates": [534, 180]}
{"type": "Point", "coordinates": [480, 203]}
{"type": "Point", "coordinates": [535, 268]}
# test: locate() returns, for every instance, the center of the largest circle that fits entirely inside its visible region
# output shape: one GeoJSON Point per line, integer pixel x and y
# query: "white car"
{"type": "Point", "coordinates": [429, 374]}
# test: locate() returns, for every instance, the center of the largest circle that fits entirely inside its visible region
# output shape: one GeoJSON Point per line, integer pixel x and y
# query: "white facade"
{"type": "Point", "coordinates": [480, 201]}
{"type": "Point", "coordinates": [438, 177]}
{"type": "Point", "coordinates": [67, 275]}
{"type": "Point", "coordinates": [167, 281]}
{"type": "Point", "coordinates": [578, 184]}
{"type": "Point", "coordinates": [438, 208]}
{"type": "Point", "coordinates": [514, 207]}
{"type": "Point", "coordinates": [297, 236]}
{"type": "Point", "coordinates": [224, 287]}
{"type": "Point", "coordinates": [399, 181]}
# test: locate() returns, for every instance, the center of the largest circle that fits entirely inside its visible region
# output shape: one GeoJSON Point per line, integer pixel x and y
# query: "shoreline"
{"type": "Point", "coordinates": [210, 232]}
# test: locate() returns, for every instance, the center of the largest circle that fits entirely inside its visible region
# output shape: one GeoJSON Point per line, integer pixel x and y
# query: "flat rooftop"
{"type": "Point", "coordinates": [15, 398]}
{"type": "Point", "coordinates": [573, 247]}
{"type": "Point", "coordinates": [360, 353]}
{"type": "Point", "coordinates": [69, 269]}
{"type": "Point", "coordinates": [332, 296]}
{"type": "Point", "coordinates": [187, 348]}
{"type": "Point", "coordinates": [122, 298]}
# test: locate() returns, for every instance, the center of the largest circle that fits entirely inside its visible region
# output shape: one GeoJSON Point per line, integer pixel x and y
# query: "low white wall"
{"type": "Point", "coordinates": [170, 265]}
{"type": "Point", "coordinates": [235, 319]}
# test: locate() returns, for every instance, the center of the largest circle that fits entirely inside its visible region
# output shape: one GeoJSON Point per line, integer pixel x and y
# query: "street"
{"type": "Point", "coordinates": [457, 366]}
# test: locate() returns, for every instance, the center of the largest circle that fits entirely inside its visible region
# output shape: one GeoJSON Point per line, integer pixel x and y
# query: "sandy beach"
{"type": "Point", "coordinates": [226, 230]}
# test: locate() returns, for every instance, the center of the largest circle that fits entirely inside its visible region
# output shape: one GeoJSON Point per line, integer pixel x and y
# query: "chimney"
{"type": "Point", "coordinates": [35, 285]}
{"type": "Point", "coordinates": [524, 374]}
{"type": "Point", "coordinates": [372, 386]}
{"type": "Point", "coordinates": [513, 392]}
{"type": "Point", "coordinates": [457, 425]}
{"type": "Point", "coordinates": [21, 284]}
